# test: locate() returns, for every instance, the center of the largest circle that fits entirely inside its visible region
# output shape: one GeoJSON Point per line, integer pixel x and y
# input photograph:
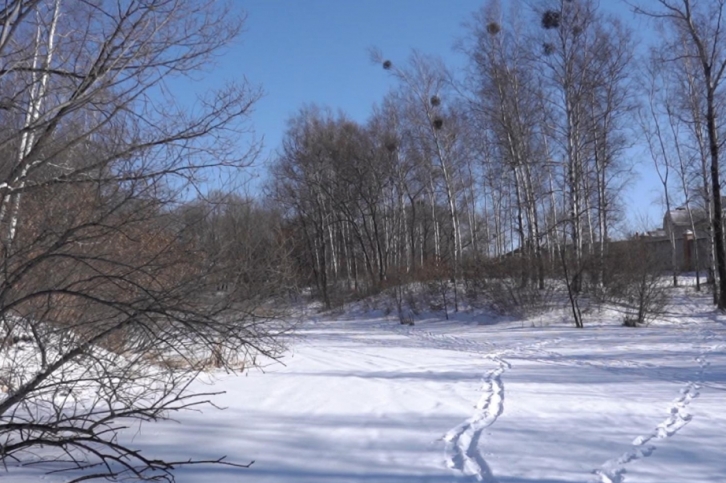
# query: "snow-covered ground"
{"type": "Point", "coordinates": [363, 399]}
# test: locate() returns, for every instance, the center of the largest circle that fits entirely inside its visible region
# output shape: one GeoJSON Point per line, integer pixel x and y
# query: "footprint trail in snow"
{"type": "Point", "coordinates": [613, 471]}
{"type": "Point", "coordinates": [462, 451]}
{"type": "Point", "coordinates": [462, 442]}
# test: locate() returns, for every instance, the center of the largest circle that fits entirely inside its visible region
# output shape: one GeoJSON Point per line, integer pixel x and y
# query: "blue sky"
{"type": "Point", "coordinates": [316, 51]}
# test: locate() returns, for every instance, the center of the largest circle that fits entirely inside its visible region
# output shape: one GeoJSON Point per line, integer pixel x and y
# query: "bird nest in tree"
{"type": "Point", "coordinates": [493, 28]}
{"type": "Point", "coordinates": [551, 19]}
{"type": "Point", "coordinates": [387, 64]}
{"type": "Point", "coordinates": [435, 101]}
{"type": "Point", "coordinates": [548, 48]}
{"type": "Point", "coordinates": [438, 123]}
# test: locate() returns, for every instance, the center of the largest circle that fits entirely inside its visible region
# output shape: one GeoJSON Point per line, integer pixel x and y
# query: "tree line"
{"type": "Point", "coordinates": [520, 159]}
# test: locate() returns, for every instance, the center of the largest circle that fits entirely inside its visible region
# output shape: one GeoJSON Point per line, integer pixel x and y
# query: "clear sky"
{"type": "Point", "coordinates": [316, 51]}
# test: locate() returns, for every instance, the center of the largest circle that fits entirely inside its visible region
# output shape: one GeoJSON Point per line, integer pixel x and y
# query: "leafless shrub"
{"type": "Point", "coordinates": [401, 291]}
{"type": "Point", "coordinates": [636, 282]}
{"type": "Point", "coordinates": [499, 285]}
{"type": "Point", "coordinates": [507, 296]}
{"type": "Point", "coordinates": [440, 295]}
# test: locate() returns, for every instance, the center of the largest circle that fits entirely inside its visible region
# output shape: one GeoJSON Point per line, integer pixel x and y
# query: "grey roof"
{"type": "Point", "coordinates": [680, 216]}
{"type": "Point", "coordinates": [657, 233]}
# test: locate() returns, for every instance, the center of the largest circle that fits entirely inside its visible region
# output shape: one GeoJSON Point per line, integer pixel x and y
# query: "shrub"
{"type": "Point", "coordinates": [636, 282]}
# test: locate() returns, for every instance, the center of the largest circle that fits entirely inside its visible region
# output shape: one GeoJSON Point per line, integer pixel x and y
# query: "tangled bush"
{"type": "Point", "coordinates": [636, 282]}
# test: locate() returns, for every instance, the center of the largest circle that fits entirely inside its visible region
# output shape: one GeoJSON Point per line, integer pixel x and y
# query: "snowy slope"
{"type": "Point", "coordinates": [363, 399]}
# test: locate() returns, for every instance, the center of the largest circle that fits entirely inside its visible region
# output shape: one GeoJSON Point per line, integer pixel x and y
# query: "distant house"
{"type": "Point", "coordinates": [678, 221]}
{"type": "Point", "coordinates": [678, 224]}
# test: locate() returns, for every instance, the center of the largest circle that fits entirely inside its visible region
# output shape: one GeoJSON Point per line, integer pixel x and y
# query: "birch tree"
{"type": "Point", "coordinates": [423, 86]}
{"type": "Point", "coordinates": [660, 147]}
{"type": "Point", "coordinates": [694, 33]}
{"type": "Point", "coordinates": [507, 98]}
{"type": "Point", "coordinates": [587, 55]}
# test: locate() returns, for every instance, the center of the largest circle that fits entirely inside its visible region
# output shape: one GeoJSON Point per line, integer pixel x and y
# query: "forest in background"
{"type": "Point", "coordinates": [515, 168]}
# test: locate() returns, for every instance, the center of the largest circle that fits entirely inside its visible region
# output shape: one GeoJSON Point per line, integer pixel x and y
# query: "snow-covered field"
{"type": "Point", "coordinates": [362, 398]}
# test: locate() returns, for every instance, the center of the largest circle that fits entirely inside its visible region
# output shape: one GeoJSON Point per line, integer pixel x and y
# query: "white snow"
{"type": "Point", "coordinates": [363, 399]}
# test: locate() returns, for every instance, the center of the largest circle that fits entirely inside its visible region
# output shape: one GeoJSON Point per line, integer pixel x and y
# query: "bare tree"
{"type": "Point", "coordinates": [567, 51]}
{"type": "Point", "coordinates": [433, 125]}
{"type": "Point", "coordinates": [586, 55]}
{"type": "Point", "coordinates": [106, 304]}
{"type": "Point", "coordinates": [506, 94]}
{"type": "Point", "coordinates": [660, 149]}
{"type": "Point", "coordinates": [303, 176]}
{"type": "Point", "coordinates": [694, 33]}
{"type": "Point", "coordinates": [695, 125]}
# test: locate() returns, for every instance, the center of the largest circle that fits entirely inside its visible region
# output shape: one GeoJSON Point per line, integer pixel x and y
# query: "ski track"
{"type": "Point", "coordinates": [614, 471]}
{"type": "Point", "coordinates": [445, 341]}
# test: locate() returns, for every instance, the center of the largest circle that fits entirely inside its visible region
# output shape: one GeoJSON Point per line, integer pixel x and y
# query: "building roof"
{"type": "Point", "coordinates": [656, 234]}
{"type": "Point", "coordinates": [681, 217]}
